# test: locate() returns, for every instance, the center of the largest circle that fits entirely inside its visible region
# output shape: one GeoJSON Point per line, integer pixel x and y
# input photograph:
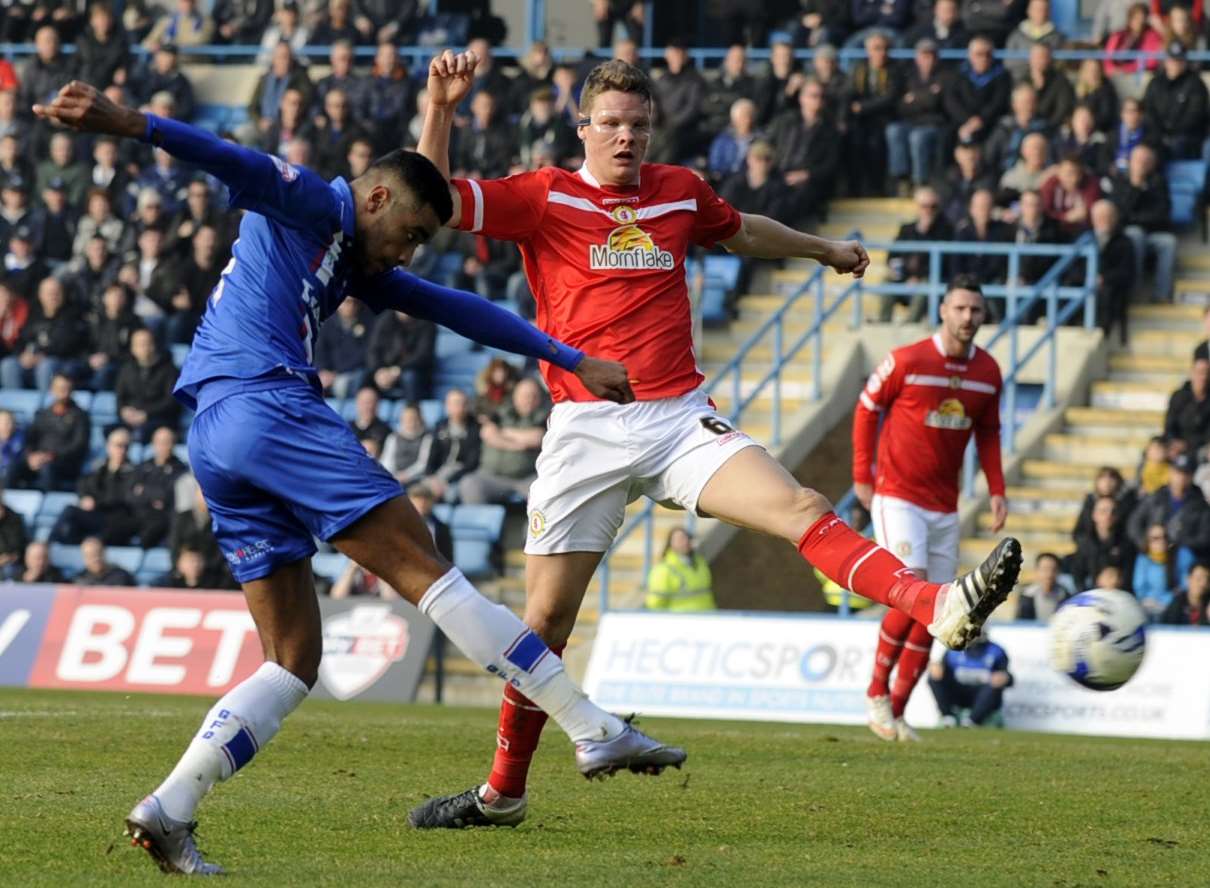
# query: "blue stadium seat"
{"type": "Point", "coordinates": [104, 409]}
{"type": "Point", "coordinates": [1186, 184]}
{"type": "Point", "coordinates": [52, 507]}
{"type": "Point", "coordinates": [388, 412]}
{"type": "Point", "coordinates": [67, 558]}
{"type": "Point", "coordinates": [82, 398]}
{"type": "Point", "coordinates": [23, 403]}
{"type": "Point", "coordinates": [156, 562]}
{"type": "Point", "coordinates": [329, 565]}
{"type": "Point", "coordinates": [723, 270]}
{"type": "Point", "coordinates": [448, 267]}
{"type": "Point", "coordinates": [181, 452]}
{"type": "Point", "coordinates": [137, 452]}
{"type": "Point", "coordinates": [476, 531]}
{"type": "Point", "coordinates": [126, 557]}
{"type": "Point", "coordinates": [26, 503]}
{"type": "Point", "coordinates": [443, 512]}
{"type": "Point", "coordinates": [451, 344]}
{"type": "Point", "coordinates": [714, 306]}
{"type": "Point", "coordinates": [432, 411]}
{"type": "Point", "coordinates": [336, 404]}
{"type": "Point", "coordinates": [180, 351]}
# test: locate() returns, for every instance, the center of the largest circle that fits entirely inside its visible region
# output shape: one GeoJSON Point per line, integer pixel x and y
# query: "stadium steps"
{"type": "Point", "coordinates": [1124, 410]}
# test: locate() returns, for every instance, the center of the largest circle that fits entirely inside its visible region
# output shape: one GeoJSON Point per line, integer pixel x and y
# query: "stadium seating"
{"type": "Point", "coordinates": [52, 506]}
{"type": "Point", "coordinates": [26, 503]}
{"type": "Point", "coordinates": [1186, 187]}
{"type": "Point", "coordinates": [476, 531]}
{"type": "Point", "coordinates": [156, 562]}
{"type": "Point", "coordinates": [23, 403]}
{"type": "Point", "coordinates": [329, 565]}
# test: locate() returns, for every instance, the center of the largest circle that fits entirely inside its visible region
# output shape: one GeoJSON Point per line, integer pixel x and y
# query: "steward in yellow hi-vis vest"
{"type": "Point", "coordinates": [681, 581]}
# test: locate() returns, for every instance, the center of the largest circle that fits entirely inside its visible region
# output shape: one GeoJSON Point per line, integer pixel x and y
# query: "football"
{"type": "Point", "coordinates": [1098, 638]}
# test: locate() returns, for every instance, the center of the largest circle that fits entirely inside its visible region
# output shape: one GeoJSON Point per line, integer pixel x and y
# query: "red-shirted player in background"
{"type": "Point", "coordinates": [604, 250]}
{"type": "Point", "coordinates": [931, 395]}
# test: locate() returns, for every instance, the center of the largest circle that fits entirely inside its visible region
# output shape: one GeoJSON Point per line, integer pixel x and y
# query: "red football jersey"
{"type": "Point", "coordinates": [931, 404]}
{"type": "Point", "coordinates": [607, 265]}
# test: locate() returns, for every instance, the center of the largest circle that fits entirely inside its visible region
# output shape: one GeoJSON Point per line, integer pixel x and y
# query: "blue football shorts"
{"type": "Point", "coordinates": [278, 468]}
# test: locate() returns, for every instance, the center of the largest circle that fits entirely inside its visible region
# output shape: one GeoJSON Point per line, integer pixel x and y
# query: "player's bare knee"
{"type": "Point", "coordinates": [806, 507]}
{"type": "Point", "coordinates": [552, 624]}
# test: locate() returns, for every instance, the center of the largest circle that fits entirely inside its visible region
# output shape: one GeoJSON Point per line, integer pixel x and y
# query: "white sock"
{"type": "Point", "coordinates": [492, 636]}
{"type": "Point", "coordinates": [240, 723]}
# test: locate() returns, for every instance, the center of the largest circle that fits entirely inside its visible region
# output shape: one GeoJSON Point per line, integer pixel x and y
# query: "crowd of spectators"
{"type": "Point", "coordinates": [1149, 535]}
{"type": "Point", "coordinates": [110, 250]}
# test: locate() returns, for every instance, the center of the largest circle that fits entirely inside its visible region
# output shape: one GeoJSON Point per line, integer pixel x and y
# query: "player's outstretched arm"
{"type": "Point", "coordinates": [450, 77]}
{"type": "Point", "coordinates": [763, 238]}
{"type": "Point", "coordinates": [476, 318]}
{"type": "Point", "coordinates": [257, 181]}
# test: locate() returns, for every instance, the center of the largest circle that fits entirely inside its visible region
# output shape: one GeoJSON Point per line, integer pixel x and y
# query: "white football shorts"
{"type": "Point", "coordinates": [598, 456]}
{"type": "Point", "coordinates": [920, 538]}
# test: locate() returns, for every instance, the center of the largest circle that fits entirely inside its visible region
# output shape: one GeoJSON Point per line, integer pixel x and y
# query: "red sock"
{"type": "Point", "coordinates": [891, 634]}
{"type": "Point", "coordinates": [912, 663]}
{"type": "Point", "coordinates": [864, 567]}
{"type": "Point", "coordinates": [517, 736]}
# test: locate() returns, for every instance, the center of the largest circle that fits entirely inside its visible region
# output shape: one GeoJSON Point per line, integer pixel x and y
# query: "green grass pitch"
{"type": "Point", "coordinates": [757, 804]}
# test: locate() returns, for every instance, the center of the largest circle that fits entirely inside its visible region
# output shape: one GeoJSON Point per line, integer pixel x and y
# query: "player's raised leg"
{"type": "Point", "coordinates": [555, 587]}
{"type": "Point", "coordinates": [753, 490]}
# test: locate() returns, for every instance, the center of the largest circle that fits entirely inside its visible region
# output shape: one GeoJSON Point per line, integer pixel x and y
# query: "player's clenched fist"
{"type": "Point", "coordinates": [848, 257]}
{"type": "Point", "coordinates": [450, 77]}
{"type": "Point", "coordinates": [605, 379]}
{"type": "Point", "coordinates": [81, 106]}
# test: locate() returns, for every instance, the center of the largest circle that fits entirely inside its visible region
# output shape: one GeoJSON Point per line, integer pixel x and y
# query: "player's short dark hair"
{"type": "Point", "coordinates": [614, 76]}
{"type": "Point", "coordinates": [419, 174]}
{"type": "Point", "coordinates": [965, 282]}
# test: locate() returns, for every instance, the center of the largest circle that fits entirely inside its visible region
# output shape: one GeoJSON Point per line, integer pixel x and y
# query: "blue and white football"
{"type": "Point", "coordinates": [1098, 638]}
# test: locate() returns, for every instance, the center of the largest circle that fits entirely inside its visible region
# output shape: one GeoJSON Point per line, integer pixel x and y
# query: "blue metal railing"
{"type": "Point", "coordinates": [1020, 301]}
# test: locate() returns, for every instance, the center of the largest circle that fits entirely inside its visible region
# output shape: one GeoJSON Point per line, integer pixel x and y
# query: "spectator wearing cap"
{"type": "Point", "coordinates": [111, 327]}
{"type": "Point", "coordinates": [944, 28]}
{"type": "Point", "coordinates": [1176, 106]}
{"type": "Point", "coordinates": [874, 90]}
{"type": "Point", "coordinates": [1141, 196]}
{"type": "Point", "coordinates": [389, 94]}
{"type": "Point", "coordinates": [978, 95]}
{"type": "Point", "coordinates": [778, 88]}
{"type": "Point", "coordinates": [186, 26]}
{"type": "Point", "coordinates": [288, 28]}
{"type": "Point", "coordinates": [56, 443]}
{"type": "Point", "coordinates": [808, 154]}
{"type": "Point", "coordinates": [729, 149]}
{"type": "Point", "coordinates": [1136, 36]}
{"type": "Point", "coordinates": [731, 83]}
{"type": "Point", "coordinates": [164, 75]}
{"type": "Point", "coordinates": [679, 94]}
{"type": "Point", "coordinates": [14, 313]}
{"type": "Point", "coordinates": [755, 189]}
{"type": "Point", "coordinates": [22, 268]}
{"type": "Point", "coordinates": [1181, 27]}
{"type": "Point", "coordinates": [284, 73]}
{"type": "Point", "coordinates": [144, 388]}
{"type": "Point", "coordinates": [48, 70]}
{"type": "Point", "coordinates": [97, 570]}
{"type": "Point", "coordinates": [540, 125]}
{"type": "Point", "coordinates": [1036, 29]}
{"type": "Point", "coordinates": [340, 349]}
{"type": "Point", "coordinates": [1190, 606]}
{"type": "Point", "coordinates": [914, 136]}
{"type": "Point", "coordinates": [103, 48]}
{"type": "Point", "coordinates": [1188, 415]}
{"type": "Point", "coordinates": [241, 21]}
{"type": "Point", "coordinates": [62, 165]}
{"type": "Point", "coordinates": [104, 505]}
{"type": "Point", "coordinates": [1179, 507]}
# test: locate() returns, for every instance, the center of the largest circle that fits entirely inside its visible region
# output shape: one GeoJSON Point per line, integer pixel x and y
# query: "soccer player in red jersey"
{"type": "Point", "coordinates": [931, 396]}
{"type": "Point", "coordinates": [604, 250]}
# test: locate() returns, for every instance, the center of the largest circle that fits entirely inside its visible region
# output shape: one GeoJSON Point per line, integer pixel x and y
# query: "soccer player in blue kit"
{"type": "Point", "coordinates": [278, 467]}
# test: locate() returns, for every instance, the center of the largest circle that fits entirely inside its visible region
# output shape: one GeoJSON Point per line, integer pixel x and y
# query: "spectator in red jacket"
{"type": "Point", "coordinates": [1137, 36]}
{"type": "Point", "coordinates": [1068, 196]}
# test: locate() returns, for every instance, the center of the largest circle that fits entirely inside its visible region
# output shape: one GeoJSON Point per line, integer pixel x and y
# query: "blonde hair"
{"type": "Point", "coordinates": [614, 76]}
